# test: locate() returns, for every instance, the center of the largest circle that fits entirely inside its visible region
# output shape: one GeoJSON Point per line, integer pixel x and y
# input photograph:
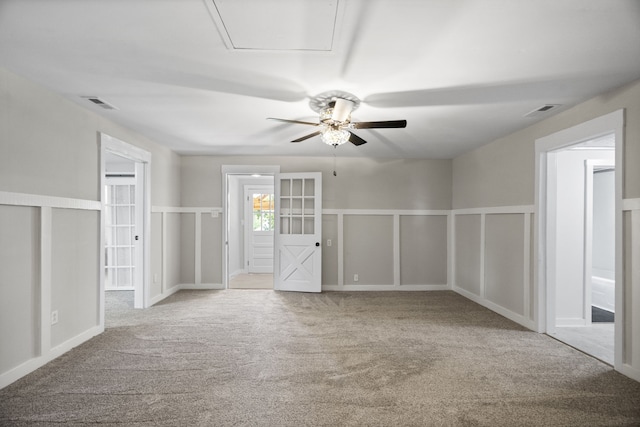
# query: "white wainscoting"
{"type": "Point", "coordinates": [197, 212]}
{"type": "Point", "coordinates": [520, 310]}
{"type": "Point", "coordinates": [631, 292]}
{"type": "Point", "coordinates": [45, 351]}
{"type": "Point", "coordinates": [395, 284]}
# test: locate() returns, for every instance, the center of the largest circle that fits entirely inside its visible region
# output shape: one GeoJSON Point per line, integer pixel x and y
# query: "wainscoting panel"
{"type": "Point", "coordinates": [19, 285]}
{"type": "Point", "coordinates": [423, 249]}
{"type": "Point", "coordinates": [467, 247]}
{"type": "Point", "coordinates": [492, 261]}
{"type": "Point", "coordinates": [36, 279]}
{"type": "Point", "coordinates": [504, 261]}
{"type": "Point", "coordinates": [330, 254]}
{"type": "Point", "coordinates": [368, 250]}
{"type": "Point", "coordinates": [631, 290]}
{"type": "Point", "coordinates": [387, 249]}
{"type": "Point", "coordinates": [211, 249]}
{"type": "Point", "coordinates": [75, 272]}
{"type": "Point", "coordinates": [191, 250]}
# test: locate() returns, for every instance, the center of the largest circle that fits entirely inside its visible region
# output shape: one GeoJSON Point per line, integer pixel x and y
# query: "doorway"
{"type": "Point", "coordinates": [248, 255]}
{"type": "Point", "coordinates": [125, 225]}
{"type": "Point", "coordinates": [579, 215]}
{"type": "Point", "coordinates": [576, 246]}
{"type": "Point", "coordinates": [122, 218]}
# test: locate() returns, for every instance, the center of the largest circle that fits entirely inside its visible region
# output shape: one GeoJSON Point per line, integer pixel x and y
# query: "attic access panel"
{"type": "Point", "coordinates": [277, 25]}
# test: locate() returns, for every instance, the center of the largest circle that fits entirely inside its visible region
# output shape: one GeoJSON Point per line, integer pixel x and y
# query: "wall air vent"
{"type": "Point", "coordinates": [99, 102]}
{"type": "Point", "coordinates": [542, 111]}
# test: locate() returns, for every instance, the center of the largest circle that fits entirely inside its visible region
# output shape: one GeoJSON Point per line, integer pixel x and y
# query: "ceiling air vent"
{"type": "Point", "coordinates": [543, 110]}
{"type": "Point", "coordinates": [100, 102]}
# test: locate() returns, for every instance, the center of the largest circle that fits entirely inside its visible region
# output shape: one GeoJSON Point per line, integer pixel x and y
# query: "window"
{"type": "Point", "coordinates": [263, 212]}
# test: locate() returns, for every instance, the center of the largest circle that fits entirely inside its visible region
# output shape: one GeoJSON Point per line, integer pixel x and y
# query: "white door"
{"type": "Point", "coordinates": [120, 229]}
{"type": "Point", "coordinates": [298, 232]}
{"type": "Point", "coordinates": [259, 223]}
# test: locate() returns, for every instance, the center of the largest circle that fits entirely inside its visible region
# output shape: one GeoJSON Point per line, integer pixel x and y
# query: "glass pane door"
{"type": "Point", "coordinates": [119, 233]}
{"type": "Point", "coordinates": [297, 206]}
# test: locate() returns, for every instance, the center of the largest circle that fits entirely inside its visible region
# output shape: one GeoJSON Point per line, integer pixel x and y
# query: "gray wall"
{"type": "Point", "coordinates": [49, 147]}
{"type": "Point", "coordinates": [371, 184]}
{"type": "Point", "coordinates": [501, 174]}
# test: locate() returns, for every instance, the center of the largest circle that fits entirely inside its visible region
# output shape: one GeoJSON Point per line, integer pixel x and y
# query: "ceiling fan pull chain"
{"type": "Point", "coordinates": [335, 161]}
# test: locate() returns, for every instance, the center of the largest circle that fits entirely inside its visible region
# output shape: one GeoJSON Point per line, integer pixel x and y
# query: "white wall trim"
{"type": "Point", "coordinates": [187, 286]}
{"type": "Point", "coordinates": [389, 212]}
{"type": "Point", "coordinates": [630, 204]}
{"type": "Point", "coordinates": [633, 359]}
{"type": "Point", "coordinates": [31, 365]}
{"type": "Point", "coordinates": [526, 211]}
{"type": "Point", "coordinates": [214, 211]}
{"type": "Point", "coordinates": [527, 323]}
{"type": "Point", "coordinates": [395, 215]}
{"type": "Point", "coordinates": [198, 212]}
{"type": "Point", "coordinates": [396, 250]}
{"type": "Point", "coordinates": [516, 209]}
{"type": "Point", "coordinates": [391, 287]}
{"type": "Point", "coordinates": [37, 200]}
{"type": "Point", "coordinates": [44, 352]}
{"type": "Point", "coordinates": [45, 279]}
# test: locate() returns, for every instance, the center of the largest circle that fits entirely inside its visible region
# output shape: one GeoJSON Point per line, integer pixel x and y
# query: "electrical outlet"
{"type": "Point", "coordinates": [54, 317]}
{"type": "Point", "coordinates": [355, 277]}
{"type": "Point", "coordinates": [328, 242]}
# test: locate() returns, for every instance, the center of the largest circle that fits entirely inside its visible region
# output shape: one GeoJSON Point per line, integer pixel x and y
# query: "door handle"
{"type": "Point", "coordinates": [317, 243]}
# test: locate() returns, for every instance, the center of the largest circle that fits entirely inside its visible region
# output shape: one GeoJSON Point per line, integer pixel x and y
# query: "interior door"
{"type": "Point", "coordinates": [259, 222]}
{"type": "Point", "coordinates": [120, 228]}
{"type": "Point", "coordinates": [298, 232]}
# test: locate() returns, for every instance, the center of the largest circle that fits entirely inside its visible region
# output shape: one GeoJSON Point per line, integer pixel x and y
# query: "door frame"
{"type": "Point", "coordinates": [590, 166]}
{"type": "Point", "coordinates": [226, 171]}
{"type": "Point", "coordinates": [544, 302]}
{"type": "Point", "coordinates": [142, 159]}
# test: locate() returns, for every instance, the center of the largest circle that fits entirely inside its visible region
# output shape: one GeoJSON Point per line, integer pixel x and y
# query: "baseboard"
{"type": "Point", "coordinates": [31, 365]}
{"type": "Point", "coordinates": [237, 273]}
{"type": "Point", "coordinates": [350, 288]}
{"type": "Point", "coordinates": [630, 371]}
{"type": "Point", "coordinates": [164, 295]}
{"type": "Point", "coordinates": [201, 286]}
{"type": "Point", "coordinates": [518, 318]}
{"type": "Point", "coordinates": [568, 322]}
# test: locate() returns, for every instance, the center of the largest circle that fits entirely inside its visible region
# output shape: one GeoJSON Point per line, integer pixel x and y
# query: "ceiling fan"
{"type": "Point", "coordinates": [335, 123]}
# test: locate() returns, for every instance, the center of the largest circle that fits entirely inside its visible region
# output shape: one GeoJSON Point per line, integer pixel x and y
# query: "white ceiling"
{"type": "Point", "coordinates": [201, 76]}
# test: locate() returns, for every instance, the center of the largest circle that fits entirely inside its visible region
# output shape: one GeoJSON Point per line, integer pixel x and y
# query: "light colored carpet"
{"type": "Point", "coordinates": [265, 358]}
{"type": "Point", "coordinates": [252, 281]}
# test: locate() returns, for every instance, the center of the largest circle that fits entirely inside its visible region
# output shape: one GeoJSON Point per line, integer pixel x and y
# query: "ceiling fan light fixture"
{"type": "Point", "coordinates": [342, 110]}
{"type": "Point", "coordinates": [335, 137]}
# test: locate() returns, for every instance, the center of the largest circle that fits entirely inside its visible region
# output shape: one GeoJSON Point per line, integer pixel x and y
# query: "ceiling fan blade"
{"type": "Point", "coordinates": [311, 135]}
{"type": "Point", "coordinates": [356, 140]}
{"type": "Point", "coordinates": [379, 125]}
{"type": "Point", "coordinates": [294, 121]}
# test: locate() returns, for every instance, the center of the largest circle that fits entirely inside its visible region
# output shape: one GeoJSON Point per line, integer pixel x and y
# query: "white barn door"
{"type": "Point", "coordinates": [298, 232]}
